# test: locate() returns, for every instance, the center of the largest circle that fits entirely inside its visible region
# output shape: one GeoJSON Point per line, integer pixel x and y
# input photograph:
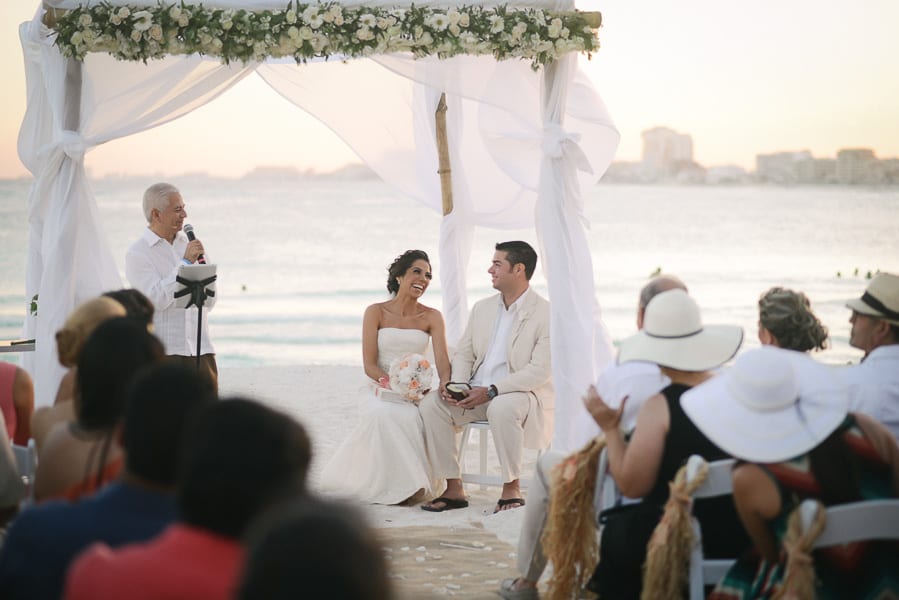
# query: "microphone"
{"type": "Point", "coordinates": [189, 230]}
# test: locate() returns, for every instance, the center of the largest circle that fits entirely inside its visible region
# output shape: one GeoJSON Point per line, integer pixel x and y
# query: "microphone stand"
{"type": "Point", "coordinates": [198, 294]}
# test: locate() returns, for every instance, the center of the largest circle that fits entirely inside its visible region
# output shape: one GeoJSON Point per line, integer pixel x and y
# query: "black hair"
{"type": "Point", "coordinates": [238, 458]}
{"type": "Point", "coordinates": [111, 355]}
{"type": "Point", "coordinates": [400, 265]}
{"type": "Point", "coordinates": [137, 305]}
{"type": "Point", "coordinates": [314, 549]}
{"type": "Point", "coordinates": [161, 400]}
{"type": "Point", "coordinates": [520, 252]}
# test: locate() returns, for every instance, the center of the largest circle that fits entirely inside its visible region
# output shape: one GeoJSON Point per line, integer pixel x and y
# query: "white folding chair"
{"type": "Point", "coordinates": [483, 477]}
{"type": "Point", "coordinates": [854, 522]}
{"type": "Point", "coordinates": [708, 571]}
{"type": "Point", "coordinates": [26, 463]}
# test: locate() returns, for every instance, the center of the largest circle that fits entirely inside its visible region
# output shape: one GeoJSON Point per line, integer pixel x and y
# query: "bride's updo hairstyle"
{"type": "Point", "coordinates": [400, 265]}
{"type": "Point", "coordinates": [788, 316]}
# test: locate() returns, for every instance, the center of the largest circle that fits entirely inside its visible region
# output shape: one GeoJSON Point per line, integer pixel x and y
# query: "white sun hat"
{"type": "Point", "coordinates": [673, 336]}
{"type": "Point", "coordinates": [771, 405]}
{"type": "Point", "coordinates": [881, 299]}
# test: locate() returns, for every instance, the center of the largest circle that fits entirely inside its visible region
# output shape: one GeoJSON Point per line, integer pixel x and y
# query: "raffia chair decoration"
{"type": "Point", "coordinates": [799, 573]}
{"type": "Point", "coordinates": [569, 539]}
{"type": "Point", "coordinates": [668, 552]}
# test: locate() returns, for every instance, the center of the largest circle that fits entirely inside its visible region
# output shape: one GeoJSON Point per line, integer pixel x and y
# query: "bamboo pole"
{"type": "Point", "coordinates": [443, 168]}
{"type": "Point", "coordinates": [593, 18]}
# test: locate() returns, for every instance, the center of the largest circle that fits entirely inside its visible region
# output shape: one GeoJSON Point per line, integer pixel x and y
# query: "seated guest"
{"type": "Point", "coordinates": [785, 416]}
{"type": "Point", "coordinates": [44, 539]}
{"type": "Point", "coordinates": [16, 402]}
{"type": "Point", "coordinates": [69, 341]}
{"type": "Point", "coordinates": [786, 320]}
{"type": "Point", "coordinates": [79, 457]}
{"type": "Point", "coordinates": [314, 549]}
{"type": "Point", "coordinates": [239, 459]}
{"type": "Point", "coordinates": [874, 383]}
{"type": "Point", "coordinates": [674, 338]}
{"type": "Point", "coordinates": [635, 381]}
{"type": "Point", "coordinates": [137, 305]}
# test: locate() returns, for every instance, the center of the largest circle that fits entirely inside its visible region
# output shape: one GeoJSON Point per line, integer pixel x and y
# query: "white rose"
{"type": "Point", "coordinates": [155, 32]}
{"type": "Point", "coordinates": [364, 34]}
{"type": "Point", "coordinates": [454, 29]}
{"type": "Point", "coordinates": [85, 19]}
{"type": "Point", "coordinates": [124, 12]}
{"type": "Point", "coordinates": [205, 39]}
{"type": "Point", "coordinates": [564, 33]}
{"type": "Point", "coordinates": [217, 43]}
{"type": "Point", "coordinates": [454, 16]}
{"type": "Point", "coordinates": [291, 16]}
{"type": "Point", "coordinates": [425, 40]}
{"type": "Point", "coordinates": [554, 31]}
{"type": "Point", "coordinates": [175, 12]}
{"type": "Point", "coordinates": [227, 24]}
{"type": "Point", "coordinates": [328, 17]}
{"type": "Point", "coordinates": [183, 20]}
{"type": "Point", "coordinates": [115, 19]}
{"type": "Point", "coordinates": [319, 42]}
{"type": "Point", "coordinates": [338, 20]}
{"type": "Point", "coordinates": [135, 35]}
{"type": "Point", "coordinates": [293, 33]}
{"type": "Point", "coordinates": [77, 38]}
{"type": "Point", "coordinates": [464, 20]}
{"type": "Point", "coordinates": [305, 33]}
{"type": "Point", "coordinates": [143, 20]}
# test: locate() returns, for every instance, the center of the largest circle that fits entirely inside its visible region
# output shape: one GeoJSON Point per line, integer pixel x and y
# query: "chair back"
{"type": "Point", "coordinates": [718, 482]}
{"type": "Point", "coordinates": [855, 522]}
{"type": "Point", "coordinates": [26, 463]}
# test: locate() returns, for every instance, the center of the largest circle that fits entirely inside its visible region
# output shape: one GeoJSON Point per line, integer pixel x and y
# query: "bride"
{"type": "Point", "coordinates": [384, 460]}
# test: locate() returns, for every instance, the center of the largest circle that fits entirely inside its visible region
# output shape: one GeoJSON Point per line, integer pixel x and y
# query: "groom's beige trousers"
{"type": "Point", "coordinates": [506, 414]}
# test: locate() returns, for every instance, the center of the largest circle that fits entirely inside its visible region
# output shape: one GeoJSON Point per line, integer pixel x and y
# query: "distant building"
{"type": "Point", "coordinates": [781, 167]}
{"type": "Point", "coordinates": [858, 165]}
{"type": "Point", "coordinates": [816, 170]}
{"type": "Point", "coordinates": [666, 152]}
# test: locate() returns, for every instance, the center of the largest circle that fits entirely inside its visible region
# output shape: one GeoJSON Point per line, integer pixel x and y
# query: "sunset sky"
{"type": "Point", "coordinates": [741, 78]}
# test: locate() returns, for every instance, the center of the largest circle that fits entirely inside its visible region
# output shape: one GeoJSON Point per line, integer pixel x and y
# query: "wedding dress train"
{"type": "Point", "coordinates": [384, 461]}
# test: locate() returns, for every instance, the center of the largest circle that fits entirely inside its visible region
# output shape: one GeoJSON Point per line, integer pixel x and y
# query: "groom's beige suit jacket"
{"type": "Point", "coordinates": [527, 355]}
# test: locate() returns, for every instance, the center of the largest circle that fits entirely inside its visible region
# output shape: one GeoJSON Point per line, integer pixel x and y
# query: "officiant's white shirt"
{"type": "Point", "coordinates": [151, 265]}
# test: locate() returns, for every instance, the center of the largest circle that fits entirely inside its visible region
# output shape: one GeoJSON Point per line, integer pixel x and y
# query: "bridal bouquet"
{"type": "Point", "coordinates": [411, 376]}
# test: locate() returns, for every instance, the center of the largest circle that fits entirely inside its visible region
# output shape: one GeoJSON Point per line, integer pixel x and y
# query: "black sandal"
{"type": "Point", "coordinates": [448, 504]}
{"type": "Point", "coordinates": [501, 503]}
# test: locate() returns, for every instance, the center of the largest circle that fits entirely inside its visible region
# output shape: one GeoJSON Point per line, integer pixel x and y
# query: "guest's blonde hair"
{"type": "Point", "coordinates": [81, 322]}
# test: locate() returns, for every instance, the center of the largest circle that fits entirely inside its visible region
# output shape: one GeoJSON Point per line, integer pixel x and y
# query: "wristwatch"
{"type": "Point", "coordinates": [492, 392]}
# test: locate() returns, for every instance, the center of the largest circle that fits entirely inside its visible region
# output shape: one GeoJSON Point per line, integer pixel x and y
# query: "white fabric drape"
{"type": "Point", "coordinates": [280, 4]}
{"type": "Point", "coordinates": [579, 340]}
{"type": "Point", "coordinates": [73, 107]}
{"type": "Point", "coordinates": [521, 143]}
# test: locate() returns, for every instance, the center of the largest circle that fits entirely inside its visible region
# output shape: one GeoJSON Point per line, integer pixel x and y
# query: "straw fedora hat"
{"type": "Point", "coordinates": [881, 299]}
{"type": "Point", "coordinates": [673, 336]}
{"type": "Point", "coordinates": [771, 406]}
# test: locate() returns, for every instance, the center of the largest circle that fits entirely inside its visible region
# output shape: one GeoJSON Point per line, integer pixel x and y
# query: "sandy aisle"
{"type": "Point", "coordinates": [463, 552]}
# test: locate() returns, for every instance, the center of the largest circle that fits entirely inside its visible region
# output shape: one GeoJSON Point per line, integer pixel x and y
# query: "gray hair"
{"type": "Point", "coordinates": [659, 284]}
{"type": "Point", "coordinates": [157, 196]}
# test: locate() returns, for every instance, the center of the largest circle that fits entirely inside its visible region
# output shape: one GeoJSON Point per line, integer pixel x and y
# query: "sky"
{"type": "Point", "coordinates": [740, 78]}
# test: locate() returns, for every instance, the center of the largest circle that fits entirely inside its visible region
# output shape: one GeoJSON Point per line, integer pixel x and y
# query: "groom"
{"type": "Point", "coordinates": [504, 354]}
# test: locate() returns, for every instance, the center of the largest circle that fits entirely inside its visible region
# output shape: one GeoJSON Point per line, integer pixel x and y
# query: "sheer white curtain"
{"type": "Point", "coordinates": [513, 166]}
{"type": "Point", "coordinates": [580, 343]}
{"type": "Point", "coordinates": [71, 108]}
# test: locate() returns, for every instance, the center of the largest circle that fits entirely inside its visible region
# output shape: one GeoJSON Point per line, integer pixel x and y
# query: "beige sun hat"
{"type": "Point", "coordinates": [881, 299]}
{"type": "Point", "coordinates": [771, 405]}
{"type": "Point", "coordinates": [673, 336]}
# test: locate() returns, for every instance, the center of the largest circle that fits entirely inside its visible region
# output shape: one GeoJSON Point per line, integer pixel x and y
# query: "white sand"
{"type": "Point", "coordinates": [464, 552]}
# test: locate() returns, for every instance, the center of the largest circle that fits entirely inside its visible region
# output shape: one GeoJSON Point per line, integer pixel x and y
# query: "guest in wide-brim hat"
{"type": "Point", "coordinates": [674, 336]}
{"type": "Point", "coordinates": [771, 405]}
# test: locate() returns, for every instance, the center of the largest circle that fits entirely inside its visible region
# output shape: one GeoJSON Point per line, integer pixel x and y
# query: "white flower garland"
{"type": "Point", "coordinates": [320, 30]}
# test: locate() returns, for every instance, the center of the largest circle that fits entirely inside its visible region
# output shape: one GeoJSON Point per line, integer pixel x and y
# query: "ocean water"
{"type": "Point", "coordinates": [300, 260]}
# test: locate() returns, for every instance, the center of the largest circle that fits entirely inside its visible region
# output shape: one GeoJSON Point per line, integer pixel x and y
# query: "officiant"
{"type": "Point", "coordinates": [151, 265]}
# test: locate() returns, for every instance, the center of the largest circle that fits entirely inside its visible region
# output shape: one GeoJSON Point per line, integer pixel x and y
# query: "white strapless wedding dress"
{"type": "Point", "coordinates": [384, 461]}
